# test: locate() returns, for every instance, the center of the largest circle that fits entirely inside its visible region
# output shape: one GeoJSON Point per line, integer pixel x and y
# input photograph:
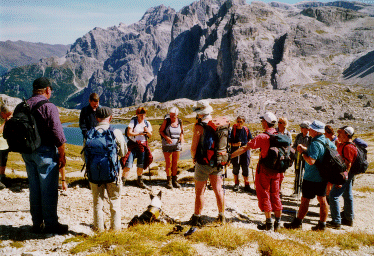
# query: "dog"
{"type": "Point", "coordinates": [153, 213]}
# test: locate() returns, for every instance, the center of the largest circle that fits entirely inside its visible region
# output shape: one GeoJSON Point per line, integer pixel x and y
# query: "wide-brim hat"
{"type": "Point", "coordinates": [317, 126]}
{"type": "Point", "coordinates": [203, 108]}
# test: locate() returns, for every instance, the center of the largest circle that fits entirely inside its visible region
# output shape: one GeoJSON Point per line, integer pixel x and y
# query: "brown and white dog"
{"type": "Point", "coordinates": [153, 213]}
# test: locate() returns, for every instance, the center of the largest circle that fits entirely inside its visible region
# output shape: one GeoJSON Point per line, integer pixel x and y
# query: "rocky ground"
{"type": "Point", "coordinates": [75, 209]}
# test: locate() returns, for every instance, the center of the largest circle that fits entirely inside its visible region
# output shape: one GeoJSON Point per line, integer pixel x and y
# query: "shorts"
{"type": "Point", "coordinates": [311, 189]}
{"type": "Point", "coordinates": [3, 157]}
{"type": "Point", "coordinates": [135, 153]}
{"type": "Point", "coordinates": [202, 172]}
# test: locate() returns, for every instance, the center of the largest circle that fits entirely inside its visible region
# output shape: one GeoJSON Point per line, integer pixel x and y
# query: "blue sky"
{"type": "Point", "coordinates": [63, 21]}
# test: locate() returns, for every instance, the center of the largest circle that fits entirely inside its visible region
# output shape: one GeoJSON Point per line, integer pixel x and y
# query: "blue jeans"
{"type": "Point", "coordinates": [135, 153]}
{"type": "Point", "coordinates": [42, 172]}
{"type": "Point", "coordinates": [346, 192]}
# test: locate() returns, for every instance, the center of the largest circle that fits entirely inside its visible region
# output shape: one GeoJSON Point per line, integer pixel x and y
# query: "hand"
{"type": "Point", "coordinates": [146, 130]}
{"type": "Point", "coordinates": [168, 140]}
{"type": "Point", "coordinates": [338, 186]}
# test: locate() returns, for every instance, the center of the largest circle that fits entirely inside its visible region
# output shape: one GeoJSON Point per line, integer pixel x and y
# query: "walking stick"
{"type": "Point", "coordinates": [299, 186]}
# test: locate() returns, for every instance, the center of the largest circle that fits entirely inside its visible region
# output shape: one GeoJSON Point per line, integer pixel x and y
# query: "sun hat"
{"type": "Point", "coordinates": [269, 117]}
{"type": "Point", "coordinates": [103, 112]}
{"type": "Point", "coordinates": [305, 124]}
{"type": "Point", "coordinates": [318, 126]}
{"type": "Point", "coordinates": [174, 110]}
{"type": "Point", "coordinates": [203, 108]}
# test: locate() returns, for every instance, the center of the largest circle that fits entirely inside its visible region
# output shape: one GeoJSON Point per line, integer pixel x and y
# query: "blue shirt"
{"type": "Point", "coordinates": [316, 151]}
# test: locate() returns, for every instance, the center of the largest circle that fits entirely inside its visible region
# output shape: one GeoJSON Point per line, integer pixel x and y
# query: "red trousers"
{"type": "Point", "coordinates": [267, 188]}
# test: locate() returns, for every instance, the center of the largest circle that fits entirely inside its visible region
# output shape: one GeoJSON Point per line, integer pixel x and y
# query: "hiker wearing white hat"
{"type": "Point", "coordinates": [313, 185]}
{"type": "Point", "coordinates": [267, 181]}
{"type": "Point", "coordinates": [348, 150]}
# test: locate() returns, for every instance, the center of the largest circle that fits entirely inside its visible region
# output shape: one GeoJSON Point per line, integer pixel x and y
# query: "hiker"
{"type": "Point", "coordinates": [330, 134]}
{"type": "Point", "coordinates": [282, 127]}
{"type": "Point", "coordinates": [313, 184]}
{"type": "Point", "coordinates": [203, 171]}
{"type": "Point", "coordinates": [113, 189]}
{"type": "Point", "coordinates": [304, 139]}
{"type": "Point", "coordinates": [138, 132]}
{"type": "Point", "coordinates": [43, 164]}
{"type": "Point", "coordinates": [87, 119]}
{"type": "Point", "coordinates": [5, 113]}
{"type": "Point", "coordinates": [171, 132]}
{"type": "Point", "coordinates": [267, 180]}
{"type": "Point", "coordinates": [348, 151]}
{"type": "Point", "coordinates": [240, 135]}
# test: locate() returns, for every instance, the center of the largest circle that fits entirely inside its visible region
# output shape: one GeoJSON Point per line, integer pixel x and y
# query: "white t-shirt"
{"type": "Point", "coordinates": [139, 128]}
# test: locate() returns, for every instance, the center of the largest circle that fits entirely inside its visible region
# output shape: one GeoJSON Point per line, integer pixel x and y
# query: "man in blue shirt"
{"type": "Point", "coordinates": [313, 184]}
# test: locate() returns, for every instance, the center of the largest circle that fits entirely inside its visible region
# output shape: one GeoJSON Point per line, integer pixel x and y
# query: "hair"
{"type": "Point", "coordinates": [240, 117]}
{"type": "Point", "coordinates": [329, 129]}
{"type": "Point", "coordinates": [174, 110]}
{"type": "Point", "coordinates": [39, 91]}
{"type": "Point", "coordinates": [94, 97]}
{"type": "Point", "coordinates": [141, 110]}
{"type": "Point", "coordinates": [284, 119]}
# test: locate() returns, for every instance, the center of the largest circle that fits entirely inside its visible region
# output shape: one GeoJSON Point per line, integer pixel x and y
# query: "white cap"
{"type": "Point", "coordinates": [174, 110]}
{"type": "Point", "coordinates": [269, 118]}
{"type": "Point", "coordinates": [203, 108]}
{"type": "Point", "coordinates": [349, 130]}
{"type": "Point", "coordinates": [318, 126]}
{"type": "Point", "coordinates": [305, 124]}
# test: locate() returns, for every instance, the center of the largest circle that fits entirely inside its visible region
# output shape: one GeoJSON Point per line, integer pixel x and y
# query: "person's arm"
{"type": "Point", "coordinates": [240, 151]}
{"type": "Point", "coordinates": [61, 156]}
{"type": "Point", "coordinates": [303, 150]}
{"type": "Point", "coordinates": [148, 130]}
{"type": "Point", "coordinates": [82, 122]}
{"type": "Point", "coordinates": [63, 178]}
{"type": "Point", "coordinates": [162, 134]}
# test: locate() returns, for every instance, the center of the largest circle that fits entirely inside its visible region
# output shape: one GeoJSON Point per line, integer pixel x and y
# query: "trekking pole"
{"type": "Point", "coordinates": [299, 186]}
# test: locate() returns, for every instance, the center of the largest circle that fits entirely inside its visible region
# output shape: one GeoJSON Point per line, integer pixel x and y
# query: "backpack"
{"type": "Point", "coordinates": [135, 118]}
{"type": "Point", "coordinates": [280, 154]}
{"type": "Point", "coordinates": [21, 131]}
{"type": "Point", "coordinates": [360, 165]}
{"type": "Point", "coordinates": [332, 168]}
{"type": "Point", "coordinates": [101, 156]}
{"type": "Point", "coordinates": [212, 149]}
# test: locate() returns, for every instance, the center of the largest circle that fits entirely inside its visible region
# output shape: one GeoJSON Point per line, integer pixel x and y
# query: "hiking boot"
{"type": "Point", "coordinates": [140, 183]}
{"type": "Point", "coordinates": [319, 227]}
{"type": "Point", "coordinates": [333, 224]}
{"type": "Point", "coordinates": [195, 221]}
{"type": "Point", "coordinates": [346, 222]}
{"type": "Point", "coordinates": [236, 188]}
{"type": "Point", "coordinates": [123, 181]}
{"type": "Point", "coordinates": [295, 224]}
{"type": "Point", "coordinates": [168, 183]}
{"type": "Point", "coordinates": [175, 183]}
{"type": "Point", "coordinates": [221, 219]}
{"type": "Point", "coordinates": [265, 226]}
{"type": "Point", "coordinates": [59, 229]}
{"type": "Point", "coordinates": [277, 225]}
{"type": "Point", "coordinates": [37, 229]}
{"type": "Point", "coordinates": [248, 189]}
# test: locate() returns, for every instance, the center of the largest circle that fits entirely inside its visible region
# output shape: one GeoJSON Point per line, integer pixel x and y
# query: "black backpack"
{"type": "Point", "coordinates": [360, 165]}
{"type": "Point", "coordinates": [21, 131]}
{"type": "Point", "coordinates": [332, 168]}
{"type": "Point", "coordinates": [213, 146]}
{"type": "Point", "coordinates": [280, 155]}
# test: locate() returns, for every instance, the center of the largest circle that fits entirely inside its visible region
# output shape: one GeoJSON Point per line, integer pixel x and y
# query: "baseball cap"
{"type": "Point", "coordinates": [269, 117]}
{"type": "Point", "coordinates": [305, 124]}
{"type": "Point", "coordinates": [41, 83]}
{"type": "Point", "coordinates": [203, 108]}
{"type": "Point", "coordinates": [349, 130]}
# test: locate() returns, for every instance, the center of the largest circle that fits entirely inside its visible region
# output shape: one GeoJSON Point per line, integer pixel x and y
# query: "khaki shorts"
{"type": "Point", "coordinates": [202, 172]}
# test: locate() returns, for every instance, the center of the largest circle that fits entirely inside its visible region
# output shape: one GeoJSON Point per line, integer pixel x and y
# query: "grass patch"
{"type": "Point", "coordinates": [16, 244]}
{"type": "Point", "coordinates": [365, 189]}
{"type": "Point", "coordinates": [345, 241]}
{"type": "Point", "coordinates": [178, 248]}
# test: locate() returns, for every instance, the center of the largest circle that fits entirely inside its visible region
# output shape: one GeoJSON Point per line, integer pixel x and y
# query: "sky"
{"type": "Point", "coordinates": [64, 21]}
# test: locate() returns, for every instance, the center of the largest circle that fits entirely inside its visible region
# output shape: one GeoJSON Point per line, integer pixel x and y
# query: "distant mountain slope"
{"type": "Point", "coordinates": [210, 49]}
{"type": "Point", "coordinates": [20, 53]}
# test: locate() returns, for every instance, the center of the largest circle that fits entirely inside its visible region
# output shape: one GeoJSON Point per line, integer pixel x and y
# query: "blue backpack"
{"type": "Point", "coordinates": [101, 155]}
